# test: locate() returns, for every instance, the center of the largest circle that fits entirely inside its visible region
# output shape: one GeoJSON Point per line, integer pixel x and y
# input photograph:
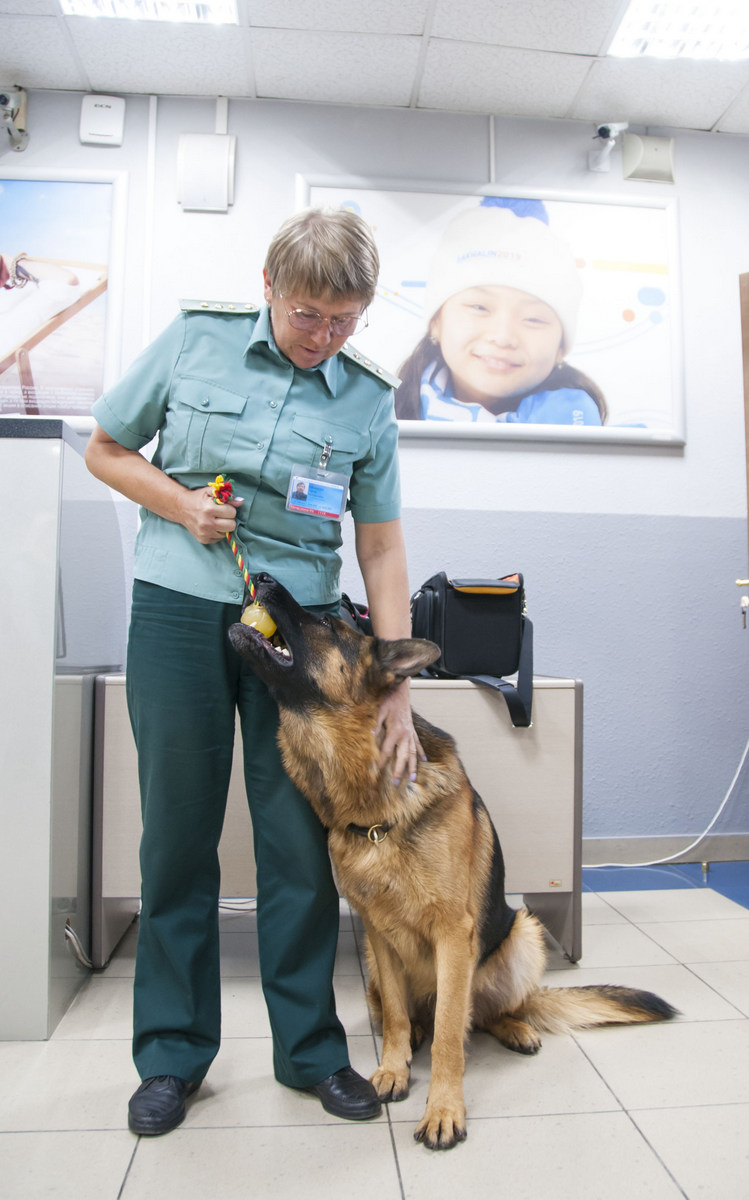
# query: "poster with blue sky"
{"type": "Point", "coordinates": [55, 238]}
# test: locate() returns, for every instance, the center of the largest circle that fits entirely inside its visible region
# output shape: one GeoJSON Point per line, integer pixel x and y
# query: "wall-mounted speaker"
{"type": "Point", "coordinates": [648, 158]}
{"type": "Point", "coordinates": [205, 171]}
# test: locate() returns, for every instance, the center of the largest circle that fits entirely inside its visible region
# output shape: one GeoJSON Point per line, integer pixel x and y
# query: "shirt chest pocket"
{"type": "Point", "coordinates": [201, 424]}
{"type": "Point", "coordinates": [311, 435]}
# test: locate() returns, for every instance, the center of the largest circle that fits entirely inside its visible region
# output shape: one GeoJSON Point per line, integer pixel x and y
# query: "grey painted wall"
{"type": "Point", "coordinates": [630, 554]}
{"type": "Point", "coordinates": [643, 610]}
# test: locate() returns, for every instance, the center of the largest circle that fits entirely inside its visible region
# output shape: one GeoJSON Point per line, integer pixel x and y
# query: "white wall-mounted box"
{"type": "Point", "coordinates": [102, 120]}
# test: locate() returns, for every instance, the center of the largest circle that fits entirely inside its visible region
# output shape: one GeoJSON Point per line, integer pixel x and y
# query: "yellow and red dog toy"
{"type": "Point", "coordinates": [254, 615]}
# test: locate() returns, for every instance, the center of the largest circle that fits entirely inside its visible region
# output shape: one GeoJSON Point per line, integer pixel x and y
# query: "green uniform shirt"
{"type": "Point", "coordinates": [223, 399]}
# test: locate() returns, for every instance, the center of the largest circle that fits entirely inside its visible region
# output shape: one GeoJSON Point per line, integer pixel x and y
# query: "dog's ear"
{"type": "Point", "coordinates": [404, 657]}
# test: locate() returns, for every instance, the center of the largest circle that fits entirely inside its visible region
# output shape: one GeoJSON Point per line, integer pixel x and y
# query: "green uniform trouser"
{"type": "Point", "coordinates": [184, 683]}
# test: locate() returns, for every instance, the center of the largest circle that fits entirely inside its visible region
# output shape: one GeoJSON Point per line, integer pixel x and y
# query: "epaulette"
{"type": "Point", "coordinates": [223, 306]}
{"type": "Point", "coordinates": [362, 360]}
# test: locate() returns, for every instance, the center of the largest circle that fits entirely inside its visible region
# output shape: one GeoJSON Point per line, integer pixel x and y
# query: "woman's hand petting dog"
{"type": "Point", "coordinates": [395, 719]}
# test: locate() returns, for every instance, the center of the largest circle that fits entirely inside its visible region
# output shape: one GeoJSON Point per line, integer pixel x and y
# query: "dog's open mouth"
{"type": "Point", "coordinates": [278, 646]}
{"type": "Point", "coordinates": [274, 646]}
{"type": "Point", "coordinates": [271, 646]}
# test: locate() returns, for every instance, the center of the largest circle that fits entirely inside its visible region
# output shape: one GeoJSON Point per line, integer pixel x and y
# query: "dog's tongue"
{"type": "Point", "coordinates": [256, 616]}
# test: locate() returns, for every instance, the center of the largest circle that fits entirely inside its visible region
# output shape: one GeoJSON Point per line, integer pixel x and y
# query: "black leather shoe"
{"type": "Point", "coordinates": [346, 1094]}
{"type": "Point", "coordinates": [159, 1104]}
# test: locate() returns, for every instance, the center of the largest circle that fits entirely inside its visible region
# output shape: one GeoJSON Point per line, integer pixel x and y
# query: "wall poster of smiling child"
{"type": "Point", "coordinates": [530, 315]}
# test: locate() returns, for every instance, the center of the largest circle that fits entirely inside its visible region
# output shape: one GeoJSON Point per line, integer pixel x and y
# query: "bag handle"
{"type": "Point", "coordinates": [499, 587]}
{"type": "Point", "coordinates": [519, 699]}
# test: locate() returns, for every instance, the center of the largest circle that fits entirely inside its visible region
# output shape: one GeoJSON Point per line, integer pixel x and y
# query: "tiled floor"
{"type": "Point", "coordinates": [657, 1112]}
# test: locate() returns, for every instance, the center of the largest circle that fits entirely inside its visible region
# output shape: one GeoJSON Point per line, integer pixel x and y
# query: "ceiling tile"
{"type": "Point", "coordinates": [736, 119]}
{"type": "Point", "coordinates": [575, 26]}
{"type": "Point", "coordinates": [28, 8]}
{"type": "Point", "coordinates": [680, 92]}
{"type": "Point", "coordinates": [341, 16]}
{"type": "Point", "coordinates": [154, 56]}
{"type": "Point", "coordinates": [538, 59]}
{"type": "Point", "coordinates": [468, 78]}
{"type": "Point", "coordinates": [36, 54]}
{"type": "Point", "coordinates": [335, 68]}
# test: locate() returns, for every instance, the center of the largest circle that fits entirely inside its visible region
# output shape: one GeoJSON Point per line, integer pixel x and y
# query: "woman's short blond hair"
{"type": "Point", "coordinates": [327, 253]}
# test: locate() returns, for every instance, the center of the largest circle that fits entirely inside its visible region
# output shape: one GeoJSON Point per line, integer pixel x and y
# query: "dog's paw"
{"type": "Point", "coordinates": [515, 1035]}
{"type": "Point", "coordinates": [442, 1128]}
{"type": "Point", "coordinates": [526, 1045]}
{"type": "Point", "coordinates": [391, 1085]}
{"type": "Point", "coordinates": [526, 1042]}
{"type": "Point", "coordinates": [529, 1050]}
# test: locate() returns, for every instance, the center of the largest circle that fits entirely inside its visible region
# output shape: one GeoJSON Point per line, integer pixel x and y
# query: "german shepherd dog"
{"type": "Point", "coordinates": [420, 862]}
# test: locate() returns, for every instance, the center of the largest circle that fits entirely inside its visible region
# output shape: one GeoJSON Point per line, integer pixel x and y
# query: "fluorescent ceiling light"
{"type": "Point", "coordinates": [714, 29]}
{"type": "Point", "coordinates": [204, 12]}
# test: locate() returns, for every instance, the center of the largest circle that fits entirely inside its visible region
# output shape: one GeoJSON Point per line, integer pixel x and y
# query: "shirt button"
{"type": "Point", "coordinates": [274, 404]}
{"type": "Point", "coordinates": [261, 445]}
{"type": "Point", "coordinates": [205, 403]}
{"type": "Point", "coordinates": [236, 595]}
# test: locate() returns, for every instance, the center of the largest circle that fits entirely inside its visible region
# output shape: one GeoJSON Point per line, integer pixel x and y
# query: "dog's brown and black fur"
{"type": "Point", "coordinates": [420, 862]}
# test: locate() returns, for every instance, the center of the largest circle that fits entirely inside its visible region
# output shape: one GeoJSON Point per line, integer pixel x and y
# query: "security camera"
{"type": "Point", "coordinates": [605, 139]}
{"type": "Point", "coordinates": [611, 129]}
{"type": "Point", "coordinates": [10, 100]}
{"type": "Point", "coordinates": [13, 116]}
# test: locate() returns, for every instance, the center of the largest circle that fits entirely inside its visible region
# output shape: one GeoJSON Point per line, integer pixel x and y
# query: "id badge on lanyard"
{"type": "Point", "coordinates": [316, 491]}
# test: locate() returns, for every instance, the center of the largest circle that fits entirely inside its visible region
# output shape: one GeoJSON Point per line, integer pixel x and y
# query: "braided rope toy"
{"type": "Point", "coordinates": [254, 615]}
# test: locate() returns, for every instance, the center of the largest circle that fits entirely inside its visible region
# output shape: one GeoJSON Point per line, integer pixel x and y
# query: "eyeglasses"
{"type": "Point", "coordinates": [304, 318]}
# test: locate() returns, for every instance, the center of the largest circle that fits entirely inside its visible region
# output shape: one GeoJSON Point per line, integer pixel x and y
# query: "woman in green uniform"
{"type": "Point", "coordinates": [258, 395]}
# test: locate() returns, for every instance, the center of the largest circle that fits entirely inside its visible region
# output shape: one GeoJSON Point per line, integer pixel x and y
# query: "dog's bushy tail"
{"type": "Point", "coordinates": [560, 1010]}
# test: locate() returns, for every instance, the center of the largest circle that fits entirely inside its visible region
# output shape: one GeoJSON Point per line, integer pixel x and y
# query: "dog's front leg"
{"type": "Point", "coordinates": [444, 1120]}
{"type": "Point", "coordinates": [391, 1079]}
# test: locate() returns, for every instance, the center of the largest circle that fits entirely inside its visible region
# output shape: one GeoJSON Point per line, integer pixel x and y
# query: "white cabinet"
{"type": "Point", "coordinates": [531, 782]}
{"type": "Point", "coordinates": [529, 779]}
{"type": "Point", "coordinates": [117, 823]}
{"type": "Point", "coordinates": [62, 623]}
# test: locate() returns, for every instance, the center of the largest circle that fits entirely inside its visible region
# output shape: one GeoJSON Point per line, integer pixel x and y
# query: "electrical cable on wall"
{"type": "Point", "coordinates": [659, 861]}
{"type": "Point", "coordinates": [75, 945]}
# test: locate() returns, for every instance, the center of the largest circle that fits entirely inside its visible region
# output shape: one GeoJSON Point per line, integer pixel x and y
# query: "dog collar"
{"type": "Point", "coordinates": [374, 833]}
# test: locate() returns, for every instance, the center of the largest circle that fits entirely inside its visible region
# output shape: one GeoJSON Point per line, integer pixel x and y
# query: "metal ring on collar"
{"type": "Point", "coordinates": [377, 833]}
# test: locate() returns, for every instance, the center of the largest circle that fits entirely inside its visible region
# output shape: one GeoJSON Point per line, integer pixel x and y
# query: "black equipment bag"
{"type": "Point", "coordinates": [483, 632]}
